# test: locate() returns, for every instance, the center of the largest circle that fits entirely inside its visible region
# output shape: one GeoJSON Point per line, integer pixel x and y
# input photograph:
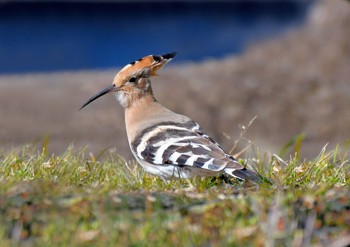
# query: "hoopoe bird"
{"type": "Point", "coordinates": [163, 142]}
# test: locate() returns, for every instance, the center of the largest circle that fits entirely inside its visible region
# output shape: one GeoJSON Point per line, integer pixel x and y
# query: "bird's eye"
{"type": "Point", "coordinates": [132, 79]}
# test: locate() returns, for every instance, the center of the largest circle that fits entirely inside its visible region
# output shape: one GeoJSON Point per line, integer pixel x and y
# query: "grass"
{"type": "Point", "coordinates": [78, 200]}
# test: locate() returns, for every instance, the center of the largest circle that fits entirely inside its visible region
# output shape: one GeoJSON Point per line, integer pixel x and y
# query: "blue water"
{"type": "Point", "coordinates": [38, 37]}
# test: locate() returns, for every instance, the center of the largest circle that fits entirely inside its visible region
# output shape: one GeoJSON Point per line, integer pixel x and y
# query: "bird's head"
{"type": "Point", "coordinates": [133, 80]}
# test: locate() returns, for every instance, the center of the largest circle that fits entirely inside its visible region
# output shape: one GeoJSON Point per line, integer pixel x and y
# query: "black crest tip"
{"type": "Point", "coordinates": [169, 55]}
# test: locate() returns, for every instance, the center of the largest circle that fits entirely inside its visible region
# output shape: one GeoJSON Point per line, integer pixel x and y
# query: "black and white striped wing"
{"type": "Point", "coordinates": [182, 145]}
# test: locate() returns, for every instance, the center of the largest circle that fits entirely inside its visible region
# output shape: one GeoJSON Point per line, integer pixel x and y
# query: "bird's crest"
{"type": "Point", "coordinates": [146, 66]}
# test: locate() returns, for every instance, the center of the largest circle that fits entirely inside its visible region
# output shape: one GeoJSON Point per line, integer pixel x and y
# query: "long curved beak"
{"type": "Point", "coordinates": [107, 90]}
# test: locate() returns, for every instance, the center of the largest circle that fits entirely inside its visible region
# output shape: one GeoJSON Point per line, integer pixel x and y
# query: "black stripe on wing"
{"type": "Point", "coordinates": [190, 125]}
{"type": "Point", "coordinates": [184, 147]}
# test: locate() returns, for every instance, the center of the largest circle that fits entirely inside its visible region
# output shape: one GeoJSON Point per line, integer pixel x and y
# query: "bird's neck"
{"type": "Point", "coordinates": [130, 98]}
{"type": "Point", "coordinates": [142, 112]}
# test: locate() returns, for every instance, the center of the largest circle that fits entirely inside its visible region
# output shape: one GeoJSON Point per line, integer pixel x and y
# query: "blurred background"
{"type": "Point", "coordinates": [286, 62]}
{"type": "Point", "coordinates": [69, 35]}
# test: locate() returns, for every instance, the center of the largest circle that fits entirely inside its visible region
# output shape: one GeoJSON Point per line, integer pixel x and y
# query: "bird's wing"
{"type": "Point", "coordinates": [183, 145]}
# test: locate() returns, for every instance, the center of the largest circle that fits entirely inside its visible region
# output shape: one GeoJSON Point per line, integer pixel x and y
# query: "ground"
{"type": "Point", "coordinates": [74, 200]}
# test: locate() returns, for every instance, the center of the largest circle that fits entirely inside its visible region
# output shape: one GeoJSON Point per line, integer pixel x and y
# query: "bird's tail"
{"type": "Point", "coordinates": [246, 174]}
